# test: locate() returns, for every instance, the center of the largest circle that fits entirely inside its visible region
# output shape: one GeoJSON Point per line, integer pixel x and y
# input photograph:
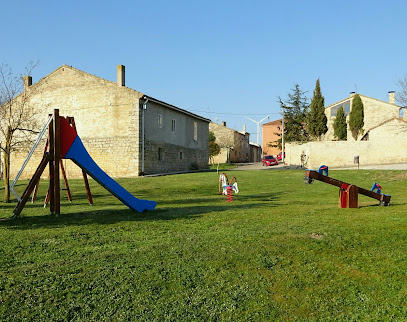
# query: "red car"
{"type": "Point", "coordinates": [279, 158]}
{"type": "Point", "coordinates": [269, 160]}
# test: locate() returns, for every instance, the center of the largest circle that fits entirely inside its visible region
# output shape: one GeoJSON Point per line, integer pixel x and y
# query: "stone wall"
{"type": "Point", "coordinates": [182, 139]}
{"type": "Point", "coordinates": [106, 117]}
{"type": "Point", "coordinates": [387, 144]}
{"type": "Point", "coordinates": [167, 158]}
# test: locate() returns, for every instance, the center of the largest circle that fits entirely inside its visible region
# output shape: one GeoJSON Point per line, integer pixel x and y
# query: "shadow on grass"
{"type": "Point", "coordinates": [112, 216]}
{"type": "Point", "coordinates": [261, 197]}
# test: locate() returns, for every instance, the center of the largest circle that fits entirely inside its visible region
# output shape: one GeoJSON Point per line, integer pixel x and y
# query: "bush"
{"type": "Point", "coordinates": [194, 166]}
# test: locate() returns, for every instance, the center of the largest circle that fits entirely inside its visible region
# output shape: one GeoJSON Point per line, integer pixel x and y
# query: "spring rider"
{"type": "Point", "coordinates": [227, 188]}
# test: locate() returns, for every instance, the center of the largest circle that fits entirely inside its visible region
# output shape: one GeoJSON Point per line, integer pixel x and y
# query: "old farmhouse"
{"type": "Point", "coordinates": [128, 133]}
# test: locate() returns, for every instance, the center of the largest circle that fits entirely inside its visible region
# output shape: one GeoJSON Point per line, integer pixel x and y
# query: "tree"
{"type": "Point", "coordinates": [295, 111]}
{"type": "Point", "coordinates": [18, 119]}
{"type": "Point", "coordinates": [214, 149]}
{"type": "Point", "coordinates": [317, 119]}
{"type": "Point", "coordinates": [356, 117]}
{"type": "Point", "coordinates": [340, 127]}
{"type": "Point", "coordinates": [402, 95]}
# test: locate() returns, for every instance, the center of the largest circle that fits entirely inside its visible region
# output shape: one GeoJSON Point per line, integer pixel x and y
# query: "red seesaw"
{"type": "Point", "coordinates": [348, 193]}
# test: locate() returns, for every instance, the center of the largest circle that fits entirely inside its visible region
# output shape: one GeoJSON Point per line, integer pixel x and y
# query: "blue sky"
{"type": "Point", "coordinates": [220, 59]}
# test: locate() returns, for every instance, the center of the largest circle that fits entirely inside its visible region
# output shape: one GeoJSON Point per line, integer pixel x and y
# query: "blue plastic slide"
{"type": "Point", "coordinates": [78, 154]}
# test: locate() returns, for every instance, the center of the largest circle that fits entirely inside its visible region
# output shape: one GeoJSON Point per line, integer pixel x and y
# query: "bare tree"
{"type": "Point", "coordinates": [18, 118]}
{"type": "Point", "coordinates": [402, 95]}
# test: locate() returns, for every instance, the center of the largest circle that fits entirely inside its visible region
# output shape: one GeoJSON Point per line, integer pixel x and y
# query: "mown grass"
{"type": "Point", "coordinates": [282, 250]}
{"type": "Point", "coordinates": [222, 166]}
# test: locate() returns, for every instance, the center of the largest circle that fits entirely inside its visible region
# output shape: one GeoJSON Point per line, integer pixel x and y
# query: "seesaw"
{"type": "Point", "coordinates": [348, 193]}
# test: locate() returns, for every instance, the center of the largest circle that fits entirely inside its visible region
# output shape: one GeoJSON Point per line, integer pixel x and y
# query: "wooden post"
{"type": "Point", "coordinates": [51, 166]}
{"type": "Point", "coordinates": [31, 185]}
{"type": "Point", "coordinates": [353, 193]}
{"type": "Point", "coordinates": [57, 157]}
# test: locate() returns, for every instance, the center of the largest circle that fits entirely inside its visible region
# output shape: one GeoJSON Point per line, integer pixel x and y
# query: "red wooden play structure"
{"type": "Point", "coordinates": [64, 143]}
{"type": "Point", "coordinates": [348, 193]}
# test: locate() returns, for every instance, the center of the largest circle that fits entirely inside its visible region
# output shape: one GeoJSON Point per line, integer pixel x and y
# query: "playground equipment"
{"type": "Point", "coordinates": [64, 143]}
{"type": "Point", "coordinates": [227, 188]}
{"type": "Point", "coordinates": [71, 121]}
{"type": "Point", "coordinates": [348, 193]}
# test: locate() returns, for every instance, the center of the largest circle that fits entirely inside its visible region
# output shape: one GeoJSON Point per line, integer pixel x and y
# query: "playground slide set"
{"type": "Point", "coordinates": [78, 154]}
{"type": "Point", "coordinates": [64, 143]}
{"type": "Point", "coordinates": [71, 147]}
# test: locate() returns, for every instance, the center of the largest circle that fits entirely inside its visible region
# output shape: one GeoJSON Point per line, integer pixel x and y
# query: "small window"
{"type": "Point", "coordinates": [181, 155]}
{"type": "Point", "coordinates": [160, 121]}
{"type": "Point", "coordinates": [345, 106]}
{"type": "Point", "coordinates": [173, 125]}
{"type": "Point", "coordinates": [160, 154]}
{"type": "Point", "coordinates": [195, 131]}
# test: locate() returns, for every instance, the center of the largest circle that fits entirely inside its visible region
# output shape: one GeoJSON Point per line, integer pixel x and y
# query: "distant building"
{"type": "Point", "coordinates": [375, 112]}
{"type": "Point", "coordinates": [270, 136]}
{"type": "Point", "coordinates": [234, 145]}
{"type": "Point", "coordinates": [255, 152]}
{"type": "Point", "coordinates": [126, 132]}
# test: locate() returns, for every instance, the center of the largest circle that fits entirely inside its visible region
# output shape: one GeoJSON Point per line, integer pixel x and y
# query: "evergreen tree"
{"type": "Point", "coordinates": [295, 111]}
{"type": "Point", "coordinates": [317, 119]}
{"type": "Point", "coordinates": [356, 117]}
{"type": "Point", "coordinates": [340, 127]}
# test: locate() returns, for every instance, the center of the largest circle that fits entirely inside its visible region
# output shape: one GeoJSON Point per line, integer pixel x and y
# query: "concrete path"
{"type": "Point", "coordinates": [258, 166]}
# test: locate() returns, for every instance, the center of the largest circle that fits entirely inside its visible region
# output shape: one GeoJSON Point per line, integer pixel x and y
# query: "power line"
{"type": "Point", "coordinates": [237, 114]}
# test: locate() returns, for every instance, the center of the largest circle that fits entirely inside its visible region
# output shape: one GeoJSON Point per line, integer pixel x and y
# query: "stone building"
{"type": "Point", "coordinates": [234, 145]}
{"type": "Point", "coordinates": [383, 139]}
{"type": "Point", "coordinates": [255, 152]}
{"type": "Point", "coordinates": [269, 136]}
{"type": "Point", "coordinates": [375, 112]}
{"type": "Point", "coordinates": [126, 132]}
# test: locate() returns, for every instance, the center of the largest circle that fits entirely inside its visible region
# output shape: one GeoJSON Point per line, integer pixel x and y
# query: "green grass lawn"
{"type": "Point", "coordinates": [282, 250]}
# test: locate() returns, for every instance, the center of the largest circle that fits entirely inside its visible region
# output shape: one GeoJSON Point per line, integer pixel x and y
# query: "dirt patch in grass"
{"type": "Point", "coordinates": [316, 236]}
{"type": "Point", "coordinates": [393, 176]}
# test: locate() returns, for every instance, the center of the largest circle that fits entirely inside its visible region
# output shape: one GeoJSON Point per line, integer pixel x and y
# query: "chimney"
{"type": "Point", "coordinates": [223, 123]}
{"type": "Point", "coordinates": [392, 97]}
{"type": "Point", "coordinates": [28, 81]}
{"type": "Point", "coordinates": [244, 128]}
{"type": "Point", "coordinates": [352, 94]}
{"type": "Point", "coordinates": [121, 75]}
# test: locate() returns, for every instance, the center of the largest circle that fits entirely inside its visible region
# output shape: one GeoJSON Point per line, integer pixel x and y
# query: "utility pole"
{"type": "Point", "coordinates": [258, 126]}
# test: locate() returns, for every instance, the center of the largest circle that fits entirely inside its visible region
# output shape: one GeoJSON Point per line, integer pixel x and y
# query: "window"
{"type": "Point", "coordinates": [344, 105]}
{"type": "Point", "coordinates": [160, 154]}
{"type": "Point", "coordinates": [160, 121]}
{"type": "Point", "coordinates": [181, 155]}
{"type": "Point", "coordinates": [195, 131]}
{"type": "Point", "coordinates": [173, 125]}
